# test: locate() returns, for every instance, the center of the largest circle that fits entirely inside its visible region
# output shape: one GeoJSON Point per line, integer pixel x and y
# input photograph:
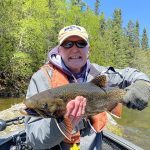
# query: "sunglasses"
{"type": "Point", "coordinates": [69, 44]}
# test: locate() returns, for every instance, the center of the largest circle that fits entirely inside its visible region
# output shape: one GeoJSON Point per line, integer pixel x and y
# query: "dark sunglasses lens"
{"type": "Point", "coordinates": [68, 44]}
{"type": "Point", "coordinates": [81, 44]}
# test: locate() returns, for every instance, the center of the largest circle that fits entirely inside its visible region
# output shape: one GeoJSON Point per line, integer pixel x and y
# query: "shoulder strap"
{"type": "Point", "coordinates": [45, 68]}
{"type": "Point", "coordinates": [58, 78]}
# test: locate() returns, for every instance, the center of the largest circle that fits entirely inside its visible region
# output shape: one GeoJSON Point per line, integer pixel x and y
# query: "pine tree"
{"type": "Point", "coordinates": [79, 3]}
{"type": "Point", "coordinates": [144, 41]}
{"type": "Point", "coordinates": [102, 24]}
{"type": "Point", "coordinates": [137, 41]}
{"type": "Point", "coordinates": [117, 39]}
{"type": "Point", "coordinates": [117, 18]}
{"type": "Point", "coordinates": [97, 5]}
{"type": "Point", "coordinates": [131, 34]}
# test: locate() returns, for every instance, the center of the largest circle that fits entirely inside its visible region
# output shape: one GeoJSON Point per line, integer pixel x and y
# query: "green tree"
{"type": "Point", "coordinates": [97, 5]}
{"type": "Point", "coordinates": [35, 26]}
{"type": "Point", "coordinates": [9, 26]}
{"type": "Point", "coordinates": [131, 34]}
{"type": "Point", "coordinates": [102, 24]}
{"type": "Point", "coordinates": [117, 39]}
{"type": "Point", "coordinates": [141, 61]}
{"type": "Point", "coordinates": [79, 3]}
{"type": "Point", "coordinates": [25, 25]}
{"type": "Point", "coordinates": [137, 40]}
{"type": "Point", "coordinates": [144, 41]}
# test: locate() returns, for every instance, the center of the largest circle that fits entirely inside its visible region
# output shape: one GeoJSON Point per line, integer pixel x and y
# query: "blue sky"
{"type": "Point", "coordinates": [131, 10]}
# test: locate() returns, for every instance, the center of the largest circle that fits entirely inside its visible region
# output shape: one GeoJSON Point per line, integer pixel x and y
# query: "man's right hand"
{"type": "Point", "coordinates": [76, 109]}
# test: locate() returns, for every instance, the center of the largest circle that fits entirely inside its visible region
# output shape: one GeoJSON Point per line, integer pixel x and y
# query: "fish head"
{"type": "Point", "coordinates": [29, 103]}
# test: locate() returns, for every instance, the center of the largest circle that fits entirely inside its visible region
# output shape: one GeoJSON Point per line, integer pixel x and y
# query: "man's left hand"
{"type": "Point", "coordinates": [137, 95]}
{"type": "Point", "coordinates": [76, 109]}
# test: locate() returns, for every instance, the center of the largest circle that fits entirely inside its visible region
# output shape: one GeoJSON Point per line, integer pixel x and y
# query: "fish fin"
{"type": "Point", "coordinates": [117, 111]}
{"type": "Point", "coordinates": [34, 113]}
{"type": "Point", "coordinates": [98, 121]}
{"type": "Point", "coordinates": [111, 119]}
{"type": "Point", "coordinates": [65, 127]}
{"type": "Point", "coordinates": [100, 80]}
{"type": "Point", "coordinates": [96, 131]}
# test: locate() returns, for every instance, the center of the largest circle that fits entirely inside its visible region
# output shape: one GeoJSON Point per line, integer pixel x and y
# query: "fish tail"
{"type": "Point", "coordinates": [65, 127]}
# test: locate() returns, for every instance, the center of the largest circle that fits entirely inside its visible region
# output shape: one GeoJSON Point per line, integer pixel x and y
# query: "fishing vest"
{"type": "Point", "coordinates": [58, 78]}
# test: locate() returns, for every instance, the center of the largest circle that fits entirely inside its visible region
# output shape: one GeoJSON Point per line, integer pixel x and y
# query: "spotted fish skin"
{"type": "Point", "coordinates": [52, 102]}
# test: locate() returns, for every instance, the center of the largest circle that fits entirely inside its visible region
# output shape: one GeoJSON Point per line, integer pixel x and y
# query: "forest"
{"type": "Point", "coordinates": [29, 29]}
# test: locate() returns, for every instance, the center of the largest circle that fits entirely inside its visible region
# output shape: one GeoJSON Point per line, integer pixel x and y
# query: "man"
{"type": "Point", "coordinates": [68, 63]}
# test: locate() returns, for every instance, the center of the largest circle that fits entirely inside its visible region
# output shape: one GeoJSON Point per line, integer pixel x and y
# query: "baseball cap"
{"type": "Point", "coordinates": [71, 31]}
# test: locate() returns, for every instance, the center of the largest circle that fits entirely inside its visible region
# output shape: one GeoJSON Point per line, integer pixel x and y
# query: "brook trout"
{"type": "Point", "coordinates": [52, 102]}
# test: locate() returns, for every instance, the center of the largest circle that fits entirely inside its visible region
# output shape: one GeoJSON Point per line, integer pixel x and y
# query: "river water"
{"type": "Point", "coordinates": [136, 124]}
{"type": "Point", "coordinates": [6, 103]}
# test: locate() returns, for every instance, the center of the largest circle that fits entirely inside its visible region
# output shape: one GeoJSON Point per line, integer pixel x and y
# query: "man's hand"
{"type": "Point", "coordinates": [137, 95]}
{"type": "Point", "coordinates": [76, 109]}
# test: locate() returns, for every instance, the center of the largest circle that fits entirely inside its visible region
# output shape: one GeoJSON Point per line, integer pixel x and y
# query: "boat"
{"type": "Point", "coordinates": [110, 142]}
{"type": "Point", "coordinates": [17, 139]}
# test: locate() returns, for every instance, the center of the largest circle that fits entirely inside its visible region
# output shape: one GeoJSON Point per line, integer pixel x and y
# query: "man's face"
{"type": "Point", "coordinates": [74, 58]}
